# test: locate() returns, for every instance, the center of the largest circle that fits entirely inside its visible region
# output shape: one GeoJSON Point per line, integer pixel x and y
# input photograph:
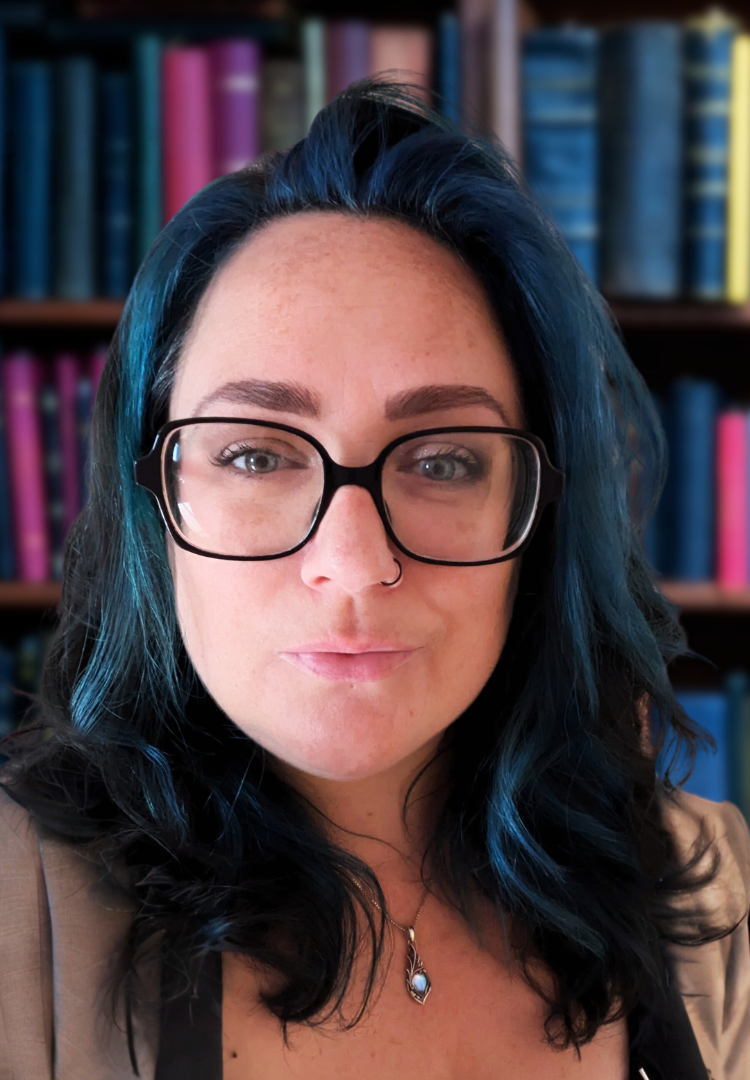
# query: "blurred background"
{"type": "Point", "coordinates": [631, 121]}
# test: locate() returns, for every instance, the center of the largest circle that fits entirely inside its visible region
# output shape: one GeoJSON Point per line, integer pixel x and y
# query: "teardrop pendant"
{"type": "Point", "coordinates": [417, 980]}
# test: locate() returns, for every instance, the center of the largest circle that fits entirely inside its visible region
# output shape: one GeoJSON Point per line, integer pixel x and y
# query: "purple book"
{"type": "Point", "coordinates": [347, 54]}
{"type": "Point", "coordinates": [21, 383]}
{"type": "Point", "coordinates": [235, 102]}
{"type": "Point", "coordinates": [66, 369]}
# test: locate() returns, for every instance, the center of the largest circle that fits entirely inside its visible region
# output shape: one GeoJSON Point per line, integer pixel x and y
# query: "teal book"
{"type": "Point", "coordinates": [75, 179]}
{"type": "Point", "coordinates": [147, 49]}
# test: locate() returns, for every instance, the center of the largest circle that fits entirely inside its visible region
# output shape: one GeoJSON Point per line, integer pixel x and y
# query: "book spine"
{"type": "Point", "coordinates": [83, 427]}
{"type": "Point", "coordinates": [732, 499]}
{"type": "Point", "coordinates": [75, 196]}
{"type": "Point", "coordinates": [694, 406]}
{"type": "Point", "coordinates": [3, 166]}
{"type": "Point", "coordinates": [96, 366]}
{"type": "Point", "coordinates": [640, 121]}
{"type": "Point", "coordinates": [282, 115]}
{"type": "Point", "coordinates": [707, 75]}
{"type": "Point", "coordinates": [738, 205]}
{"type": "Point", "coordinates": [7, 555]}
{"type": "Point", "coordinates": [449, 66]}
{"type": "Point", "coordinates": [475, 20]}
{"type": "Point", "coordinates": [736, 688]}
{"type": "Point", "coordinates": [148, 138]}
{"type": "Point", "coordinates": [49, 410]}
{"type": "Point", "coordinates": [30, 146]}
{"type": "Point", "coordinates": [504, 90]}
{"type": "Point", "coordinates": [347, 53]}
{"type": "Point", "coordinates": [186, 118]}
{"type": "Point", "coordinates": [405, 52]}
{"type": "Point", "coordinates": [20, 384]}
{"type": "Point", "coordinates": [235, 96]}
{"type": "Point", "coordinates": [560, 132]}
{"type": "Point", "coordinates": [314, 63]}
{"type": "Point", "coordinates": [7, 695]}
{"type": "Point", "coordinates": [116, 183]}
{"type": "Point", "coordinates": [710, 777]}
{"type": "Point", "coordinates": [65, 367]}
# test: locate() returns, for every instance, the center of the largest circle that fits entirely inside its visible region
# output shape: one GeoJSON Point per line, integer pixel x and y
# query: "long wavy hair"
{"type": "Point", "coordinates": [555, 809]}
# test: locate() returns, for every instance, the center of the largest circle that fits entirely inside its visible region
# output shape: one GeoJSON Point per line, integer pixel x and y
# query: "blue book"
{"type": "Point", "coordinates": [7, 552]}
{"type": "Point", "coordinates": [49, 413]}
{"type": "Point", "coordinates": [148, 179]}
{"type": "Point", "coordinates": [653, 543]}
{"type": "Point", "coordinates": [737, 687]}
{"type": "Point", "coordinates": [710, 777]}
{"type": "Point", "coordinates": [116, 218]}
{"type": "Point", "coordinates": [708, 70]}
{"type": "Point", "coordinates": [693, 408]}
{"type": "Point", "coordinates": [30, 180]}
{"type": "Point", "coordinates": [75, 195]}
{"type": "Point", "coordinates": [559, 70]}
{"type": "Point", "coordinates": [449, 65]}
{"type": "Point", "coordinates": [7, 694]}
{"type": "Point", "coordinates": [641, 125]}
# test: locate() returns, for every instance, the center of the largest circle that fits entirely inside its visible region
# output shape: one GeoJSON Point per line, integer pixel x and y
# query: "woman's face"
{"type": "Point", "coordinates": [354, 314]}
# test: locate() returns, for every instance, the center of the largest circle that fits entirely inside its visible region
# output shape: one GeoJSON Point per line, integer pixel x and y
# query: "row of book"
{"type": "Point", "coordinates": [99, 160]}
{"type": "Point", "coordinates": [45, 415]}
{"type": "Point", "coordinates": [724, 713]}
{"type": "Point", "coordinates": [637, 138]}
{"type": "Point", "coordinates": [701, 528]}
{"type": "Point", "coordinates": [20, 675]}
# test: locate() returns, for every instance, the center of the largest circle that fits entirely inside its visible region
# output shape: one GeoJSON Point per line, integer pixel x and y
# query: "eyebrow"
{"type": "Point", "coordinates": [290, 397]}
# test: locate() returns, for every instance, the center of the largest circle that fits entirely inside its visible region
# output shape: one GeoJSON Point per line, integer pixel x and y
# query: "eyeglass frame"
{"type": "Point", "coordinates": [148, 472]}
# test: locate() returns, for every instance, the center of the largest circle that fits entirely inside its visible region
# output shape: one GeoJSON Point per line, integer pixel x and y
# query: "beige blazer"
{"type": "Point", "coordinates": [60, 928]}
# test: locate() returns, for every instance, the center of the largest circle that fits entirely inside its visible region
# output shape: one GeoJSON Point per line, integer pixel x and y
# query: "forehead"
{"type": "Point", "coordinates": [352, 308]}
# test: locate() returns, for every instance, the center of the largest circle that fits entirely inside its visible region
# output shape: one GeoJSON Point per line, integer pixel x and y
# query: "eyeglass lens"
{"type": "Point", "coordinates": [246, 490]}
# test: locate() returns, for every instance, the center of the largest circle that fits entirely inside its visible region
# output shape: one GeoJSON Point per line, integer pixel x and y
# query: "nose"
{"type": "Point", "coordinates": [350, 548]}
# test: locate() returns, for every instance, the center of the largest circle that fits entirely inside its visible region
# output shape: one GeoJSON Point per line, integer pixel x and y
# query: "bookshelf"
{"type": "Point", "coordinates": [664, 338]}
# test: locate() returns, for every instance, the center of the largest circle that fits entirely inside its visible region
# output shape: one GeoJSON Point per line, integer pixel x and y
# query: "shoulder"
{"type": "Point", "coordinates": [714, 978]}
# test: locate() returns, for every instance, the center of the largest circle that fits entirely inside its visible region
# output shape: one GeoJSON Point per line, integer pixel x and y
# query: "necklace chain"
{"type": "Point", "coordinates": [403, 929]}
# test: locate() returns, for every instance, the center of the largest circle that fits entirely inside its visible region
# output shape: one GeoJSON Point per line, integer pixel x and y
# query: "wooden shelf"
{"type": "Point", "coordinates": [691, 597]}
{"type": "Point", "coordinates": [29, 594]}
{"type": "Point", "coordinates": [81, 314]}
{"type": "Point", "coordinates": [630, 315]}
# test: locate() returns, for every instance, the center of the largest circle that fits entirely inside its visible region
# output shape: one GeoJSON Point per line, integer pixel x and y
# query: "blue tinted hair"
{"type": "Point", "coordinates": [555, 812]}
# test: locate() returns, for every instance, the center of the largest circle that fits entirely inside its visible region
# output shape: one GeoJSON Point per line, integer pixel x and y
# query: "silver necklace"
{"type": "Point", "coordinates": [417, 980]}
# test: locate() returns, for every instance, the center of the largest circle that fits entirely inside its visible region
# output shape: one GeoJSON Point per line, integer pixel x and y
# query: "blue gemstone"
{"type": "Point", "coordinates": [419, 982]}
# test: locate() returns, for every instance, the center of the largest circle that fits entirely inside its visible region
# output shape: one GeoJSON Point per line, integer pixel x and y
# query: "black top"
{"type": "Point", "coordinates": [191, 1043]}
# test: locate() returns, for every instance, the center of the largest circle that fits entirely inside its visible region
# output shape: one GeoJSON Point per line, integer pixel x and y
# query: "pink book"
{"type": "Point", "coordinates": [407, 48]}
{"type": "Point", "coordinates": [732, 500]}
{"type": "Point", "coordinates": [347, 52]}
{"type": "Point", "coordinates": [21, 382]}
{"type": "Point", "coordinates": [66, 374]}
{"type": "Point", "coordinates": [235, 103]}
{"type": "Point", "coordinates": [186, 121]}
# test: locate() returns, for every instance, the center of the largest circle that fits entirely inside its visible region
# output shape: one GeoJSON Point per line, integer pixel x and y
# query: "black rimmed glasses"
{"type": "Point", "coordinates": [233, 488]}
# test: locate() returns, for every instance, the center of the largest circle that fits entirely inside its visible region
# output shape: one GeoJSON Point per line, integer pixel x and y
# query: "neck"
{"type": "Point", "coordinates": [366, 818]}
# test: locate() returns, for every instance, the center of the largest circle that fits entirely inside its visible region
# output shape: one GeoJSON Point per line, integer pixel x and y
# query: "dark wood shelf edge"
{"type": "Point", "coordinates": [705, 597]}
{"type": "Point", "coordinates": [630, 315]}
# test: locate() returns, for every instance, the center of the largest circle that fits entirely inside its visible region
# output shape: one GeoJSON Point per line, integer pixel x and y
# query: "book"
{"type": "Point", "coordinates": [641, 132]}
{"type": "Point", "coordinates": [504, 90]}
{"type": "Point", "coordinates": [146, 60]}
{"type": "Point", "coordinates": [30, 158]}
{"type": "Point", "coordinates": [448, 73]}
{"type": "Point", "coordinates": [707, 81]}
{"type": "Point", "coordinates": [7, 554]}
{"type": "Point", "coordinates": [313, 35]}
{"type": "Point", "coordinates": [235, 102]}
{"type": "Point", "coordinates": [75, 275]}
{"type": "Point", "coordinates": [282, 104]}
{"type": "Point", "coordinates": [7, 695]}
{"type": "Point", "coordinates": [738, 197]}
{"type": "Point", "coordinates": [693, 407]}
{"type": "Point", "coordinates": [116, 191]}
{"type": "Point", "coordinates": [186, 125]}
{"type": "Point", "coordinates": [732, 499]}
{"type": "Point", "coordinates": [559, 69]}
{"type": "Point", "coordinates": [347, 54]}
{"type": "Point", "coordinates": [21, 380]}
{"type": "Point", "coordinates": [405, 52]}
{"type": "Point", "coordinates": [737, 689]}
{"type": "Point", "coordinates": [83, 425]}
{"type": "Point", "coordinates": [475, 21]}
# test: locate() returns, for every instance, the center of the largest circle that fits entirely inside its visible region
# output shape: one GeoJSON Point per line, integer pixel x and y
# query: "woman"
{"type": "Point", "coordinates": [347, 755]}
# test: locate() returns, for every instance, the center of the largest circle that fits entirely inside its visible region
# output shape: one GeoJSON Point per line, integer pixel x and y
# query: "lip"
{"type": "Point", "coordinates": [342, 645]}
{"type": "Point", "coordinates": [350, 666]}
